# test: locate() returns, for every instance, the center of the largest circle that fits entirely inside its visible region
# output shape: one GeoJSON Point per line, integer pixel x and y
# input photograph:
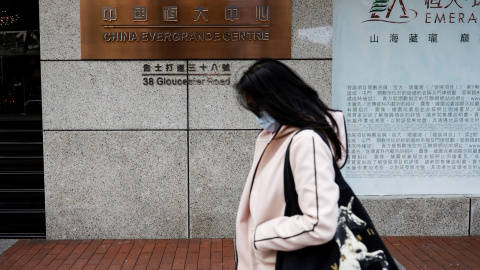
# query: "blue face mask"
{"type": "Point", "coordinates": [267, 122]}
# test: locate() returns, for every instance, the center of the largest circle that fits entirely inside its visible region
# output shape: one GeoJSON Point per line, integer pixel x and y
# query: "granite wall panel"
{"type": "Point", "coordinates": [116, 184]}
{"type": "Point", "coordinates": [60, 29]}
{"type": "Point", "coordinates": [475, 215]}
{"type": "Point", "coordinates": [219, 165]}
{"type": "Point", "coordinates": [419, 215]}
{"type": "Point", "coordinates": [106, 95]}
{"type": "Point", "coordinates": [312, 29]}
{"type": "Point", "coordinates": [216, 107]}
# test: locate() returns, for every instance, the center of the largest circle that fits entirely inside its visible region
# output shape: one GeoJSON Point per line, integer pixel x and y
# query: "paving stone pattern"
{"type": "Point", "coordinates": [424, 252]}
{"type": "Point", "coordinates": [120, 254]}
{"type": "Point", "coordinates": [412, 252]}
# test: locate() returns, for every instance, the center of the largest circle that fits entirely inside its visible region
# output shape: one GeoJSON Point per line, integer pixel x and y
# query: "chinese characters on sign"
{"type": "Point", "coordinates": [232, 13]}
{"type": "Point", "coordinates": [414, 38]}
{"type": "Point", "coordinates": [170, 14]}
{"type": "Point", "coordinates": [109, 14]}
{"type": "Point", "coordinates": [139, 14]}
{"type": "Point", "coordinates": [436, 12]}
{"type": "Point", "coordinates": [185, 29]}
{"type": "Point", "coordinates": [414, 107]}
{"type": "Point", "coordinates": [175, 74]}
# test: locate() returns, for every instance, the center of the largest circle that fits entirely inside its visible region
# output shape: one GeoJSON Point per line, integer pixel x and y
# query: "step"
{"type": "Point", "coordinates": [22, 235]}
{"type": "Point", "coordinates": [21, 122]}
{"type": "Point", "coordinates": [22, 199]}
{"type": "Point", "coordinates": [17, 135]}
{"type": "Point", "coordinates": [21, 163]}
{"type": "Point", "coordinates": [22, 180]}
{"type": "Point", "coordinates": [22, 224]}
{"type": "Point", "coordinates": [21, 149]}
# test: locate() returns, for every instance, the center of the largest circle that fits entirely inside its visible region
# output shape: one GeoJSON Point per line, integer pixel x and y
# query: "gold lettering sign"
{"type": "Point", "coordinates": [185, 29]}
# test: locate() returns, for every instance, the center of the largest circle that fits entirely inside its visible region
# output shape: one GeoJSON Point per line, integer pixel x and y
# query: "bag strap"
{"type": "Point", "coordinates": [290, 194]}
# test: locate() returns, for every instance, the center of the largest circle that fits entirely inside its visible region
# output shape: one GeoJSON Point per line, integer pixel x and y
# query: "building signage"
{"type": "Point", "coordinates": [406, 75]}
{"type": "Point", "coordinates": [170, 73]}
{"type": "Point", "coordinates": [185, 29]}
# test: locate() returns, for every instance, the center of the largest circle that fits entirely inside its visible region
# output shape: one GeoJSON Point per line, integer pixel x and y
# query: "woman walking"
{"type": "Point", "coordinates": [284, 104]}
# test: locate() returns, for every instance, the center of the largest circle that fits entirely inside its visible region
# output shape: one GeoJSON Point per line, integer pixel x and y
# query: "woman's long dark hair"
{"type": "Point", "coordinates": [269, 85]}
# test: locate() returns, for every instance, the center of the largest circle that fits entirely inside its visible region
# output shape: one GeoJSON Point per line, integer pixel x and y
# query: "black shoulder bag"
{"type": "Point", "coordinates": [356, 244]}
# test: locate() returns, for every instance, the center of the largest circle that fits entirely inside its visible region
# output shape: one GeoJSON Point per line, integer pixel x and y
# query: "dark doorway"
{"type": "Point", "coordinates": [19, 57]}
{"type": "Point", "coordinates": [22, 196]}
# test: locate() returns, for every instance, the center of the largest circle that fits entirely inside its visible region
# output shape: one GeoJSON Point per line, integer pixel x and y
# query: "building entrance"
{"type": "Point", "coordinates": [22, 197]}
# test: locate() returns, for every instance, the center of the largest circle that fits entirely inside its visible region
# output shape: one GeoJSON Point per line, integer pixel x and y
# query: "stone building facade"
{"type": "Point", "coordinates": [125, 160]}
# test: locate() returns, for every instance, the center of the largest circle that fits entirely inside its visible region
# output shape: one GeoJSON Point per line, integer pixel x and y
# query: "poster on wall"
{"type": "Point", "coordinates": [406, 75]}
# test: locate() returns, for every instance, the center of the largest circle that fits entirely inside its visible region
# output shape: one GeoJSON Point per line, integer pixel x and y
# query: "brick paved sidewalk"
{"type": "Point", "coordinates": [433, 253]}
{"type": "Point", "coordinates": [120, 254]}
{"type": "Point", "coordinates": [412, 252]}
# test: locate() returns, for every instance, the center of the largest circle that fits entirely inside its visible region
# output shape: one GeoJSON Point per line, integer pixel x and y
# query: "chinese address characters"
{"type": "Point", "coordinates": [170, 74]}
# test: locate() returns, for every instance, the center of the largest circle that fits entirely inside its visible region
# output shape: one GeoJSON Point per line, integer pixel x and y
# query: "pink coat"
{"type": "Point", "coordinates": [261, 227]}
